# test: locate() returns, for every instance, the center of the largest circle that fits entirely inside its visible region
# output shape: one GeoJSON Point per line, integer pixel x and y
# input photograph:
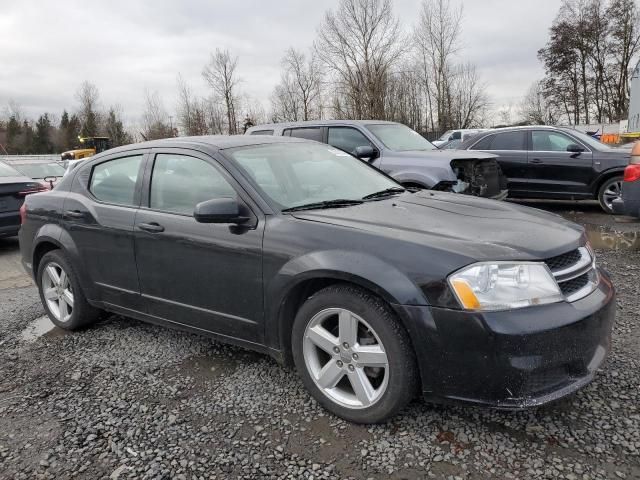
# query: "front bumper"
{"type": "Point", "coordinates": [512, 359]}
{"type": "Point", "coordinates": [629, 204]}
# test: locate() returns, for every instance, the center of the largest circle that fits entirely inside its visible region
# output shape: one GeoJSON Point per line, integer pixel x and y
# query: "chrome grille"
{"type": "Point", "coordinates": [575, 273]}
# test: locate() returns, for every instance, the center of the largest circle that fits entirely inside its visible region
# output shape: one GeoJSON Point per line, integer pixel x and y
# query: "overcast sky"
{"type": "Point", "coordinates": [47, 48]}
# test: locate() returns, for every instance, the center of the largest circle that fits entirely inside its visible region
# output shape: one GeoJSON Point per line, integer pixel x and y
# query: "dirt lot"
{"type": "Point", "coordinates": [130, 400]}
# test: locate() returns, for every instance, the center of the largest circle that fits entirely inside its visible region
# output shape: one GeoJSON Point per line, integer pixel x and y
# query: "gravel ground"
{"type": "Point", "coordinates": [130, 400]}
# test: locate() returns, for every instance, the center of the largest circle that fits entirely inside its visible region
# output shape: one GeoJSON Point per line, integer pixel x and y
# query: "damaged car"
{"type": "Point", "coordinates": [403, 154]}
{"type": "Point", "coordinates": [373, 291]}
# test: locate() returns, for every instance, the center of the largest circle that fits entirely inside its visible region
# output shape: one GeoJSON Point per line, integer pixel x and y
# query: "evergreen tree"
{"type": "Point", "coordinates": [115, 129]}
{"type": "Point", "coordinates": [42, 137]}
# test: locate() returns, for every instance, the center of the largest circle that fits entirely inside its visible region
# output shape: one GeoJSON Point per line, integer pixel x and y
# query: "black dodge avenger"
{"type": "Point", "coordinates": [301, 251]}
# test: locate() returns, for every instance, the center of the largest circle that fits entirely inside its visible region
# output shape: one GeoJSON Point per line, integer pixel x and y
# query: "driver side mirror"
{"type": "Point", "coordinates": [366, 152]}
{"type": "Point", "coordinates": [575, 148]}
{"type": "Point", "coordinates": [220, 210]}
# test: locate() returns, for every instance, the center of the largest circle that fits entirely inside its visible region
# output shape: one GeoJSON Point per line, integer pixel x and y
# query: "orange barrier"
{"type": "Point", "coordinates": [610, 138]}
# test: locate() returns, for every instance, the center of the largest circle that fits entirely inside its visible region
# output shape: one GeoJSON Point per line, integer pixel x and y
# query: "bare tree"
{"type": "Point", "coordinates": [88, 97]}
{"type": "Point", "coordinates": [437, 37]}
{"type": "Point", "coordinates": [221, 75]}
{"type": "Point", "coordinates": [156, 123]}
{"type": "Point", "coordinates": [468, 99]}
{"type": "Point", "coordinates": [359, 44]}
{"type": "Point", "coordinates": [537, 108]}
{"type": "Point", "coordinates": [305, 75]}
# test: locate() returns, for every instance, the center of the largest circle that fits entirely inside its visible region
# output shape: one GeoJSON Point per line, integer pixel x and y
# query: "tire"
{"type": "Point", "coordinates": [74, 312]}
{"type": "Point", "coordinates": [610, 190]}
{"type": "Point", "coordinates": [349, 379]}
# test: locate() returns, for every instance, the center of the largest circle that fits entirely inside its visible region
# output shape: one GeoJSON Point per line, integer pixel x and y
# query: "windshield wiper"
{"type": "Point", "coordinates": [340, 202]}
{"type": "Point", "coordinates": [384, 193]}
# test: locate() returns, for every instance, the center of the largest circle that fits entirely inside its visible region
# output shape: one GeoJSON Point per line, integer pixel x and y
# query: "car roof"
{"type": "Point", "coordinates": [318, 123]}
{"type": "Point", "coordinates": [215, 142]}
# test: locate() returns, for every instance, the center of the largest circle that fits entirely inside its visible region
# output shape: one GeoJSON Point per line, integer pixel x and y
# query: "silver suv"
{"type": "Point", "coordinates": [403, 154]}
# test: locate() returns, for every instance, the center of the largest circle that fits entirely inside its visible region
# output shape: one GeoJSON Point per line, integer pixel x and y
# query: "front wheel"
{"type": "Point", "coordinates": [353, 355]}
{"type": "Point", "coordinates": [610, 190]}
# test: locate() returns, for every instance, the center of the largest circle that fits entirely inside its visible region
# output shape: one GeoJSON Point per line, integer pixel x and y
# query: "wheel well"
{"type": "Point", "coordinates": [604, 178]}
{"type": "Point", "coordinates": [41, 250]}
{"type": "Point", "coordinates": [294, 300]}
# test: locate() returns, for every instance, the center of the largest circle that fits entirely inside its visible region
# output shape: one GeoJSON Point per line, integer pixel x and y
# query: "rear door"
{"type": "Point", "coordinates": [555, 171]}
{"type": "Point", "coordinates": [207, 276]}
{"type": "Point", "coordinates": [99, 214]}
{"type": "Point", "coordinates": [511, 148]}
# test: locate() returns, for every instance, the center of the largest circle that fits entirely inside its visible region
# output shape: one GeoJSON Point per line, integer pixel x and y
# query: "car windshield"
{"type": "Point", "coordinates": [40, 170]}
{"type": "Point", "coordinates": [588, 139]}
{"type": "Point", "coordinates": [445, 136]}
{"type": "Point", "coordinates": [296, 174]}
{"type": "Point", "coordinates": [399, 138]}
{"type": "Point", "coordinates": [7, 171]}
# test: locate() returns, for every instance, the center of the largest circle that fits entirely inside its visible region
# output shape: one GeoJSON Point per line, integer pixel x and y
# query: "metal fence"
{"type": "Point", "coordinates": [22, 158]}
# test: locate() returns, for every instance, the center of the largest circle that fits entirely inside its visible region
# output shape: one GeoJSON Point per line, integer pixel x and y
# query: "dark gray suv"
{"type": "Point", "coordinates": [403, 154]}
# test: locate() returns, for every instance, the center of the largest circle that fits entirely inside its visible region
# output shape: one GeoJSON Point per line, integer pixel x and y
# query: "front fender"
{"type": "Point", "coordinates": [355, 267]}
{"type": "Point", "coordinates": [428, 179]}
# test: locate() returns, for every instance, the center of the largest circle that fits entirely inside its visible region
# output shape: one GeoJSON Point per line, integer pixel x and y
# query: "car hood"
{"type": "Point", "coordinates": [477, 229]}
{"type": "Point", "coordinates": [443, 154]}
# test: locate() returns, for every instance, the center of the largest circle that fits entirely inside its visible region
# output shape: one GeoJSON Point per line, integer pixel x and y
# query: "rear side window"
{"type": "Point", "coordinates": [114, 181]}
{"type": "Point", "coordinates": [180, 182]}
{"type": "Point", "coordinates": [308, 133]}
{"type": "Point", "coordinates": [347, 139]}
{"type": "Point", "coordinates": [262, 132]}
{"type": "Point", "coordinates": [509, 141]}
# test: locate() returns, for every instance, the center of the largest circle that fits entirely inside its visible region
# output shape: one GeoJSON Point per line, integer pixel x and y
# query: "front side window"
{"type": "Point", "coordinates": [114, 181]}
{"type": "Point", "coordinates": [399, 138]}
{"type": "Point", "coordinates": [544, 141]}
{"type": "Point", "coordinates": [509, 141]}
{"type": "Point", "coordinates": [301, 173]}
{"type": "Point", "coordinates": [308, 133]}
{"type": "Point", "coordinates": [347, 139]}
{"type": "Point", "coordinates": [180, 182]}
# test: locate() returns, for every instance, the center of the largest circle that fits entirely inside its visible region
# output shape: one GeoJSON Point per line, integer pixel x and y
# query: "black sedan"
{"type": "Point", "coordinates": [14, 187]}
{"type": "Point", "coordinates": [555, 163]}
{"type": "Point", "coordinates": [295, 249]}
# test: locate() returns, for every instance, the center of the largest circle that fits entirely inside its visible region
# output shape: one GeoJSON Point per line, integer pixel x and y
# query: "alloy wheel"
{"type": "Point", "coordinates": [57, 291]}
{"type": "Point", "coordinates": [613, 191]}
{"type": "Point", "coordinates": [345, 358]}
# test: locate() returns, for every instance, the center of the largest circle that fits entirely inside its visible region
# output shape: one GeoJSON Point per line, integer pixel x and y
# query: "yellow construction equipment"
{"type": "Point", "coordinates": [87, 147]}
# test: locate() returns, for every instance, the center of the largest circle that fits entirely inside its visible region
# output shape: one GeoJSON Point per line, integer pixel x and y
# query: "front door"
{"type": "Point", "coordinates": [556, 171]}
{"type": "Point", "coordinates": [206, 276]}
{"type": "Point", "coordinates": [511, 148]}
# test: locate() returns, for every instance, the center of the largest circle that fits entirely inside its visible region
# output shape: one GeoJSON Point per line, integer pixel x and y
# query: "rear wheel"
{"type": "Point", "coordinates": [610, 190]}
{"type": "Point", "coordinates": [353, 355]}
{"type": "Point", "coordinates": [61, 293]}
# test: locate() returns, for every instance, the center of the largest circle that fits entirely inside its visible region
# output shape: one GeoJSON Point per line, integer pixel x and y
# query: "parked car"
{"type": "Point", "coordinates": [629, 202]}
{"type": "Point", "coordinates": [298, 250]}
{"type": "Point", "coordinates": [46, 172]}
{"type": "Point", "coordinates": [403, 154]}
{"type": "Point", "coordinates": [555, 163]}
{"type": "Point", "coordinates": [452, 135]}
{"type": "Point", "coordinates": [14, 187]}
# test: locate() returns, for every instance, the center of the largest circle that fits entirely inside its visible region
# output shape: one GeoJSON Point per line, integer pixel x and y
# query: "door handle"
{"type": "Point", "coordinates": [536, 160]}
{"type": "Point", "coordinates": [74, 214]}
{"type": "Point", "coordinates": [152, 227]}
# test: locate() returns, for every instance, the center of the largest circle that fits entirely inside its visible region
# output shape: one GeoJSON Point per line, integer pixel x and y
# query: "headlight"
{"type": "Point", "coordinates": [503, 286]}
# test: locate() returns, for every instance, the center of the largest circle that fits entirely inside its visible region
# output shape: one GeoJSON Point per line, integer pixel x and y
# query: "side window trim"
{"type": "Point", "coordinates": [137, 194]}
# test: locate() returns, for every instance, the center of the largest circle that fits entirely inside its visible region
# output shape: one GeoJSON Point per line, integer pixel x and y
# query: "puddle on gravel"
{"type": "Point", "coordinates": [40, 327]}
{"type": "Point", "coordinates": [607, 238]}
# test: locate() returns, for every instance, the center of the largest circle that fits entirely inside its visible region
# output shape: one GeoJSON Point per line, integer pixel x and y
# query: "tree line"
{"type": "Point", "coordinates": [592, 48]}
{"type": "Point", "coordinates": [363, 64]}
